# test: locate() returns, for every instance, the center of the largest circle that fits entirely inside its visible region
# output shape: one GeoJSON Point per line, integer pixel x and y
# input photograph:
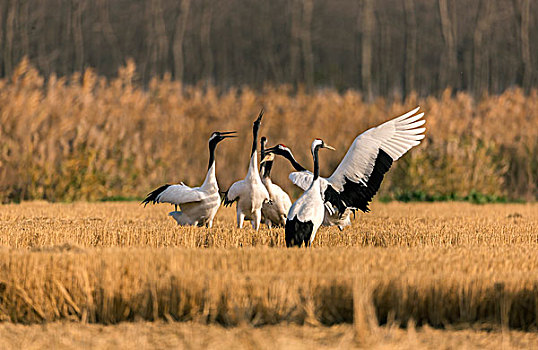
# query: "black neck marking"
{"type": "Point", "coordinates": [293, 162]}
{"type": "Point", "coordinates": [212, 146]}
{"type": "Point", "coordinates": [262, 154]}
{"type": "Point", "coordinates": [255, 129]}
{"type": "Point", "coordinates": [267, 168]}
{"type": "Point", "coordinates": [316, 162]}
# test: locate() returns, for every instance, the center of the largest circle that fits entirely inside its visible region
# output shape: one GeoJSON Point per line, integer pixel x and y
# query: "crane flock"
{"type": "Point", "coordinates": [325, 201]}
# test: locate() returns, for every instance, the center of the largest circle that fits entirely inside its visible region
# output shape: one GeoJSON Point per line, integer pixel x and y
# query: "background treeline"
{"type": "Point", "coordinates": [86, 137]}
{"type": "Point", "coordinates": [383, 48]}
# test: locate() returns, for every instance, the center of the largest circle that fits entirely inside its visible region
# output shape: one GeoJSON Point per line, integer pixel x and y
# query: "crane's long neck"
{"type": "Point", "coordinates": [316, 163]}
{"type": "Point", "coordinates": [293, 162]}
{"type": "Point", "coordinates": [210, 179]}
{"type": "Point", "coordinates": [262, 155]}
{"type": "Point", "coordinates": [267, 168]}
{"type": "Point", "coordinates": [212, 147]}
{"type": "Point", "coordinates": [255, 129]}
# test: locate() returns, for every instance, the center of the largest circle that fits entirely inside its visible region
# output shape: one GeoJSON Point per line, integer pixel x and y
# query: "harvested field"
{"type": "Point", "coordinates": [149, 335]}
{"type": "Point", "coordinates": [39, 225]}
{"type": "Point", "coordinates": [442, 264]}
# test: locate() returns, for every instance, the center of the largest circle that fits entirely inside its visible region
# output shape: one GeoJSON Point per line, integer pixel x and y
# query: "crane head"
{"type": "Point", "coordinates": [319, 143]}
{"type": "Point", "coordinates": [269, 157]}
{"type": "Point", "coordinates": [279, 149]}
{"type": "Point", "coordinates": [218, 136]}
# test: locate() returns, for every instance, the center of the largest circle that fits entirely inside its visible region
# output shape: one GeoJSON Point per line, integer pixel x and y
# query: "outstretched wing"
{"type": "Point", "coordinates": [358, 177]}
{"type": "Point", "coordinates": [233, 192]}
{"type": "Point", "coordinates": [303, 180]}
{"type": "Point", "coordinates": [174, 194]}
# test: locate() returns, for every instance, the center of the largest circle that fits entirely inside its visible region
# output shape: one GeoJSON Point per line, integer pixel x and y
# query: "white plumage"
{"type": "Point", "coordinates": [358, 176]}
{"type": "Point", "coordinates": [332, 217]}
{"type": "Point", "coordinates": [307, 213]}
{"type": "Point", "coordinates": [249, 193]}
{"type": "Point", "coordinates": [276, 210]}
{"type": "Point", "coordinates": [199, 205]}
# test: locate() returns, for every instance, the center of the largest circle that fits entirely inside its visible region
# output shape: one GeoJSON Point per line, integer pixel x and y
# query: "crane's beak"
{"type": "Point", "coordinates": [267, 158]}
{"type": "Point", "coordinates": [226, 134]}
{"type": "Point", "coordinates": [259, 117]}
{"type": "Point", "coordinates": [329, 147]}
{"type": "Point", "coordinates": [270, 149]}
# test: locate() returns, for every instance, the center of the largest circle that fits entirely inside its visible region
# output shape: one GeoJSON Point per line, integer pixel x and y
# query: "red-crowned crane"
{"type": "Point", "coordinates": [359, 175]}
{"type": "Point", "coordinates": [198, 205]}
{"type": "Point", "coordinates": [249, 193]}
{"type": "Point", "coordinates": [306, 214]}
{"type": "Point", "coordinates": [276, 210]}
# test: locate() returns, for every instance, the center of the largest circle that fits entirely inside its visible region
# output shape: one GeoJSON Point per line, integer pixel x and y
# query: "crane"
{"type": "Point", "coordinates": [306, 214]}
{"type": "Point", "coordinates": [198, 205]}
{"type": "Point", "coordinates": [250, 193]}
{"type": "Point", "coordinates": [276, 209]}
{"type": "Point", "coordinates": [359, 175]}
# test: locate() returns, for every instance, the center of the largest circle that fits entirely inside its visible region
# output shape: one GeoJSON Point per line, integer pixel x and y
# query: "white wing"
{"type": "Point", "coordinates": [234, 192]}
{"type": "Point", "coordinates": [303, 180]}
{"type": "Point", "coordinates": [360, 173]}
{"type": "Point", "coordinates": [175, 194]}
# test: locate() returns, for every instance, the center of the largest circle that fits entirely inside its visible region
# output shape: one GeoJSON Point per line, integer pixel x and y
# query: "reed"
{"type": "Point", "coordinates": [86, 137]}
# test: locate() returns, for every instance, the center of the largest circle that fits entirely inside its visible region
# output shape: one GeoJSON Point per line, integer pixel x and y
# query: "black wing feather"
{"type": "Point", "coordinates": [227, 202]}
{"type": "Point", "coordinates": [152, 196]}
{"type": "Point", "coordinates": [357, 195]}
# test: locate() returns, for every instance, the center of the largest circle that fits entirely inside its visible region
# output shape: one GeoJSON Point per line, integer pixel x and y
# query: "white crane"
{"type": "Point", "coordinates": [306, 214]}
{"type": "Point", "coordinates": [249, 193]}
{"type": "Point", "coordinates": [331, 217]}
{"type": "Point", "coordinates": [358, 176]}
{"type": "Point", "coordinates": [199, 204]}
{"type": "Point", "coordinates": [276, 210]}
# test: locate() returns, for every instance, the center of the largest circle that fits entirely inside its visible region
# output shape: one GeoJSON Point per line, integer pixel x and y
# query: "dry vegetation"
{"type": "Point", "coordinates": [152, 335]}
{"type": "Point", "coordinates": [444, 264]}
{"type": "Point", "coordinates": [86, 137]}
{"type": "Point", "coordinates": [115, 224]}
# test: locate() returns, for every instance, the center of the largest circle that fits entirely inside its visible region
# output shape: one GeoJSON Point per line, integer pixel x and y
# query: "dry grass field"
{"type": "Point", "coordinates": [469, 271]}
{"type": "Point", "coordinates": [36, 225]}
{"type": "Point", "coordinates": [160, 335]}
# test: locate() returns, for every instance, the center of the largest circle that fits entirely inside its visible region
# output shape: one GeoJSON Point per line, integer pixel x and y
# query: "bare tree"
{"type": "Point", "coordinates": [307, 43]}
{"type": "Point", "coordinates": [157, 42]}
{"type": "Point", "coordinates": [179, 35]}
{"type": "Point", "coordinates": [295, 40]}
{"type": "Point", "coordinates": [366, 48]}
{"type": "Point", "coordinates": [449, 55]}
{"type": "Point", "coordinates": [394, 46]}
{"type": "Point", "coordinates": [78, 38]}
{"type": "Point", "coordinates": [205, 36]}
{"type": "Point", "coordinates": [9, 36]}
{"type": "Point", "coordinates": [108, 32]}
{"type": "Point", "coordinates": [480, 69]}
{"type": "Point", "coordinates": [410, 55]}
{"type": "Point", "coordinates": [522, 13]}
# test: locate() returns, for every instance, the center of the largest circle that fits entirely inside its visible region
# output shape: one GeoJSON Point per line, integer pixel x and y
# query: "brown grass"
{"type": "Point", "coordinates": [444, 264]}
{"type": "Point", "coordinates": [153, 335]}
{"type": "Point", "coordinates": [87, 138]}
{"type": "Point", "coordinates": [40, 224]}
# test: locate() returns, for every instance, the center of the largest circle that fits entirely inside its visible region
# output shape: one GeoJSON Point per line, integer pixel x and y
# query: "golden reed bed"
{"type": "Point", "coordinates": [86, 137]}
{"type": "Point", "coordinates": [443, 264]}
